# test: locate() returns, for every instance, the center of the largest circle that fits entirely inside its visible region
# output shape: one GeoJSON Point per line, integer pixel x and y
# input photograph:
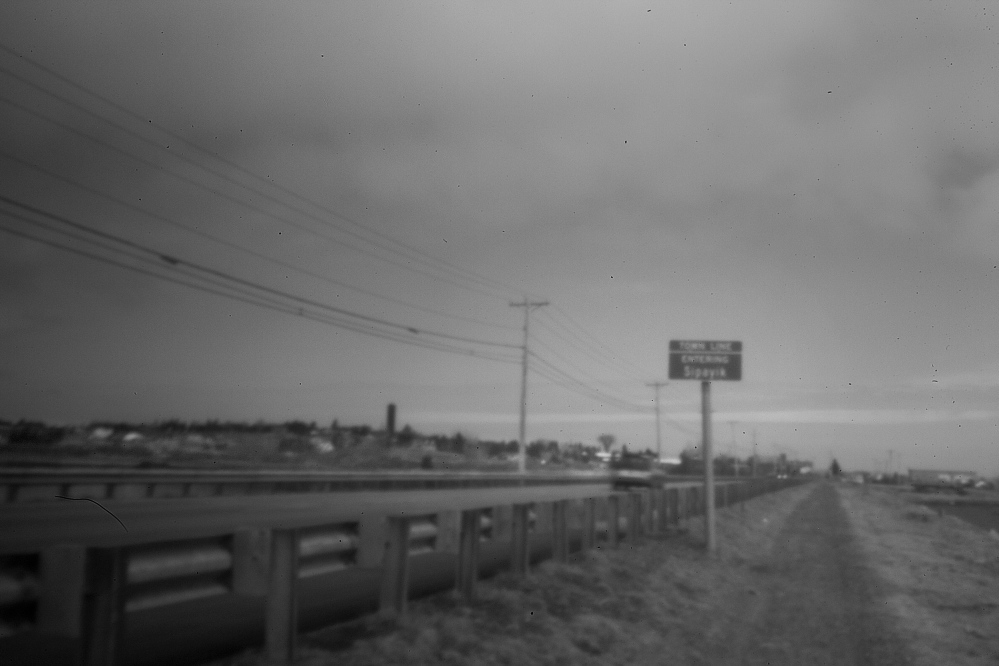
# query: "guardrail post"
{"type": "Point", "coordinates": [589, 522]}
{"type": "Point", "coordinates": [63, 574]}
{"type": "Point", "coordinates": [371, 548]}
{"type": "Point", "coordinates": [395, 576]}
{"type": "Point", "coordinates": [659, 500]}
{"type": "Point", "coordinates": [613, 520]}
{"type": "Point", "coordinates": [449, 528]}
{"type": "Point", "coordinates": [520, 543]}
{"type": "Point", "coordinates": [560, 530]}
{"type": "Point", "coordinates": [543, 517]}
{"type": "Point", "coordinates": [104, 607]}
{"type": "Point", "coordinates": [502, 517]}
{"type": "Point", "coordinates": [281, 620]}
{"type": "Point", "coordinates": [669, 508]}
{"type": "Point", "coordinates": [636, 521]}
{"type": "Point", "coordinates": [251, 551]}
{"type": "Point", "coordinates": [648, 511]}
{"type": "Point", "coordinates": [468, 553]}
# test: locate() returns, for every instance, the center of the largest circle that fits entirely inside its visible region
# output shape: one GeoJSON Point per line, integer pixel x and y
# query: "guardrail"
{"type": "Point", "coordinates": [37, 484]}
{"type": "Point", "coordinates": [87, 593]}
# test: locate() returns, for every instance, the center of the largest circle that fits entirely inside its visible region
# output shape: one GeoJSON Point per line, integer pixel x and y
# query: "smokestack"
{"type": "Point", "coordinates": [390, 421]}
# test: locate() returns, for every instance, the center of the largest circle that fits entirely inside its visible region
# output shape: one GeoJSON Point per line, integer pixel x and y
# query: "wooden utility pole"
{"type": "Point", "coordinates": [659, 441]}
{"type": "Point", "coordinates": [528, 306]}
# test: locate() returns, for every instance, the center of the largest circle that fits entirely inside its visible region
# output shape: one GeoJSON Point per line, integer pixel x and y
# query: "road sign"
{"type": "Point", "coordinates": [705, 360]}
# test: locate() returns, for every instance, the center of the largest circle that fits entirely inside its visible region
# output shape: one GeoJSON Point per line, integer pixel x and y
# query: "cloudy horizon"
{"type": "Point", "coordinates": [365, 189]}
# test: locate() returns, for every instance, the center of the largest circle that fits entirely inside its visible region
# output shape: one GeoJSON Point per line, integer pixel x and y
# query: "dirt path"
{"type": "Point", "coordinates": [814, 601]}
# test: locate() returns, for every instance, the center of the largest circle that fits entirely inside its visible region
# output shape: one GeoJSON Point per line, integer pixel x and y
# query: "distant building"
{"type": "Point", "coordinates": [932, 479]}
{"type": "Point", "coordinates": [101, 433]}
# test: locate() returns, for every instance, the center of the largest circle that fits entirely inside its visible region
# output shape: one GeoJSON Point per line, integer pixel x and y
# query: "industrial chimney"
{"type": "Point", "coordinates": [390, 422]}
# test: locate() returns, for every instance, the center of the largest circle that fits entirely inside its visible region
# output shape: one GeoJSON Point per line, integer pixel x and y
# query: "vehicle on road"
{"type": "Point", "coordinates": [631, 470]}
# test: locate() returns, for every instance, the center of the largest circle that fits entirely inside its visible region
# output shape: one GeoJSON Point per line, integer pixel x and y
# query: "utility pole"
{"type": "Point", "coordinates": [659, 438]}
{"type": "Point", "coordinates": [735, 454]}
{"type": "Point", "coordinates": [528, 306]}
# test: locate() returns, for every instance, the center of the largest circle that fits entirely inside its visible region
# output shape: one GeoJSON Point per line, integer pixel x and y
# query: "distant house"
{"type": "Point", "coordinates": [196, 443]}
{"type": "Point", "coordinates": [100, 434]}
{"type": "Point", "coordinates": [938, 479]}
{"type": "Point", "coordinates": [321, 444]}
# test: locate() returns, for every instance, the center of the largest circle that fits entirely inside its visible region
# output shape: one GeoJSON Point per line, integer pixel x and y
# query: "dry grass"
{"type": "Point", "coordinates": [634, 605]}
{"type": "Point", "coordinates": [941, 576]}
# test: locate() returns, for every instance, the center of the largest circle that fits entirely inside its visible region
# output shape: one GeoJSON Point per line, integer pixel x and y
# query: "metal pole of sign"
{"type": "Point", "coordinates": [709, 469]}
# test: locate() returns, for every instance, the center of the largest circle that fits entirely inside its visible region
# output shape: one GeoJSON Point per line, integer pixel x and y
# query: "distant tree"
{"type": "Point", "coordinates": [360, 431]}
{"type": "Point", "coordinates": [535, 448]}
{"type": "Point", "coordinates": [834, 468]}
{"type": "Point", "coordinates": [690, 463]}
{"type": "Point", "coordinates": [34, 432]}
{"type": "Point", "coordinates": [297, 427]}
{"type": "Point", "coordinates": [406, 436]}
{"type": "Point", "coordinates": [171, 426]}
{"type": "Point", "coordinates": [606, 441]}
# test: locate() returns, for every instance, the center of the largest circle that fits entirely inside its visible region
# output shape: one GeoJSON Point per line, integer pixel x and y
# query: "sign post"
{"type": "Point", "coordinates": [707, 361]}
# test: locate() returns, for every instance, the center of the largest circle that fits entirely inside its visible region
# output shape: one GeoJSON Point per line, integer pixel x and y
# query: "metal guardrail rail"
{"type": "Point", "coordinates": [38, 484]}
{"type": "Point", "coordinates": [86, 593]}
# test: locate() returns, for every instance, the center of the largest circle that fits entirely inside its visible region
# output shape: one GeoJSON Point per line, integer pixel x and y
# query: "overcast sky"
{"type": "Point", "coordinates": [818, 180]}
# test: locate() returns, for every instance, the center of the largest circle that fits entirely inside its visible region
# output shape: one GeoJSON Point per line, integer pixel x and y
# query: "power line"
{"type": "Point", "coordinates": [239, 202]}
{"type": "Point", "coordinates": [570, 363]}
{"type": "Point", "coordinates": [176, 261]}
{"type": "Point", "coordinates": [231, 293]}
{"type": "Point", "coordinates": [566, 380]}
{"type": "Point", "coordinates": [240, 248]}
{"type": "Point", "coordinates": [594, 349]}
{"type": "Point", "coordinates": [596, 359]}
{"type": "Point", "coordinates": [407, 251]}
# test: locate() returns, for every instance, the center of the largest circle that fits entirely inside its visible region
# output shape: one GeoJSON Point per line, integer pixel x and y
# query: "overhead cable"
{"type": "Point", "coordinates": [176, 261]}
{"type": "Point", "coordinates": [409, 252]}
{"type": "Point", "coordinates": [222, 241]}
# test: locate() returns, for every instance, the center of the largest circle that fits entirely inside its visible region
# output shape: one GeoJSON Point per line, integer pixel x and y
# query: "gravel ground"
{"type": "Point", "coordinates": [819, 574]}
